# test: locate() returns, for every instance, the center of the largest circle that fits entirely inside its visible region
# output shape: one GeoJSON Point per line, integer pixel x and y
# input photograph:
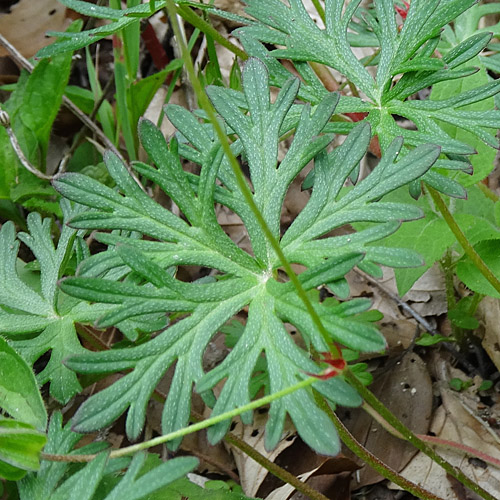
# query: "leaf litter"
{"type": "Point", "coordinates": [418, 393]}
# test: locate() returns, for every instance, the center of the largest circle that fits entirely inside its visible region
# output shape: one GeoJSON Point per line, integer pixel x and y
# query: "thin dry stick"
{"type": "Point", "coordinates": [5, 122]}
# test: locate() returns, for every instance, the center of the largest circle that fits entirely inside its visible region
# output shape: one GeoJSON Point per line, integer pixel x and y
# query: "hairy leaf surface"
{"type": "Point", "coordinates": [459, 121]}
{"type": "Point", "coordinates": [133, 277]}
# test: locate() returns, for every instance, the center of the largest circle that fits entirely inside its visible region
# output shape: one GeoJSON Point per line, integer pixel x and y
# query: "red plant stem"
{"type": "Point", "coordinates": [454, 446]}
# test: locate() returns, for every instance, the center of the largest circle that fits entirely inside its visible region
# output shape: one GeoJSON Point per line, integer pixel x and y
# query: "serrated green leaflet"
{"type": "Point", "coordinates": [407, 50]}
{"type": "Point", "coordinates": [133, 276]}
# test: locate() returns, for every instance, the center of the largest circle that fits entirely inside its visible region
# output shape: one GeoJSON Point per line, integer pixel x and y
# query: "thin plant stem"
{"type": "Point", "coordinates": [409, 436]}
{"type": "Point", "coordinates": [435, 441]}
{"type": "Point", "coordinates": [129, 450]}
{"type": "Point", "coordinates": [319, 9]}
{"type": "Point", "coordinates": [177, 73]}
{"type": "Point", "coordinates": [487, 192]}
{"type": "Point", "coordinates": [188, 15]}
{"type": "Point", "coordinates": [459, 447]}
{"type": "Point", "coordinates": [240, 179]}
{"type": "Point", "coordinates": [274, 469]}
{"type": "Point", "coordinates": [462, 239]}
{"type": "Point", "coordinates": [271, 467]}
{"type": "Point", "coordinates": [359, 450]}
{"type": "Point", "coordinates": [447, 267]}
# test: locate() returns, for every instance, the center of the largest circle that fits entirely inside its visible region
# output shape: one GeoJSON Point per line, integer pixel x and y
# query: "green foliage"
{"type": "Point", "coordinates": [409, 52]}
{"type": "Point", "coordinates": [19, 393]}
{"type": "Point", "coordinates": [120, 19]}
{"type": "Point", "coordinates": [462, 314]}
{"type": "Point", "coordinates": [466, 27]}
{"type": "Point", "coordinates": [485, 385]}
{"type": "Point", "coordinates": [32, 108]}
{"type": "Point", "coordinates": [431, 236]}
{"type": "Point", "coordinates": [470, 275]}
{"type": "Point", "coordinates": [33, 312]}
{"type": "Point", "coordinates": [213, 490]}
{"type": "Point", "coordinates": [132, 285]}
{"type": "Point", "coordinates": [20, 446]}
{"type": "Point", "coordinates": [36, 314]}
{"type": "Point", "coordinates": [241, 279]}
{"type": "Point", "coordinates": [426, 339]}
{"type": "Point", "coordinates": [459, 385]}
{"type": "Point", "coordinates": [101, 478]}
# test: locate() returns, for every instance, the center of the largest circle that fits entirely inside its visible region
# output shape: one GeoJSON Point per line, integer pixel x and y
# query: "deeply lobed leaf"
{"type": "Point", "coordinates": [134, 276]}
{"type": "Point", "coordinates": [407, 50]}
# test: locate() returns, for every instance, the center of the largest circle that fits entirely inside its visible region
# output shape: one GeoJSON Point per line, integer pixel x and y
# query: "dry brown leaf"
{"type": "Point", "coordinates": [330, 476]}
{"type": "Point", "coordinates": [284, 492]}
{"type": "Point", "coordinates": [28, 21]}
{"type": "Point", "coordinates": [489, 311]}
{"type": "Point", "coordinates": [428, 296]}
{"type": "Point", "coordinates": [454, 421]}
{"type": "Point", "coordinates": [406, 389]}
{"type": "Point", "coordinates": [250, 472]}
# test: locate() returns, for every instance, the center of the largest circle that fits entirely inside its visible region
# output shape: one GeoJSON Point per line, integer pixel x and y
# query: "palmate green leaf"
{"type": "Point", "coordinates": [38, 309]}
{"type": "Point", "coordinates": [409, 51]}
{"type": "Point", "coordinates": [60, 480]}
{"type": "Point", "coordinates": [134, 277]}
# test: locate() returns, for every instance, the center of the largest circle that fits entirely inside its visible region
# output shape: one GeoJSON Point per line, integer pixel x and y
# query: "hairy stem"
{"type": "Point", "coordinates": [435, 441]}
{"type": "Point", "coordinates": [360, 451]}
{"type": "Point", "coordinates": [462, 239]}
{"type": "Point", "coordinates": [274, 469]}
{"type": "Point", "coordinates": [409, 436]}
{"type": "Point", "coordinates": [243, 186]}
{"type": "Point", "coordinates": [129, 450]}
{"type": "Point", "coordinates": [447, 267]}
{"type": "Point", "coordinates": [188, 15]}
